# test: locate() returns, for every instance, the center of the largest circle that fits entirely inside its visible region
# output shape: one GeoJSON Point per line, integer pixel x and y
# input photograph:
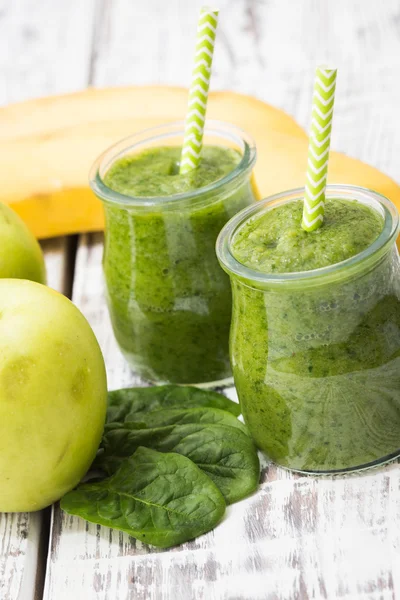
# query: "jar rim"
{"type": "Point", "coordinates": [140, 139]}
{"type": "Point", "coordinates": [347, 267]}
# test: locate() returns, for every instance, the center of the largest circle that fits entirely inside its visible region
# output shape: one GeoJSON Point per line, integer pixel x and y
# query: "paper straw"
{"type": "Point", "coordinates": [198, 93]}
{"type": "Point", "coordinates": [318, 148]}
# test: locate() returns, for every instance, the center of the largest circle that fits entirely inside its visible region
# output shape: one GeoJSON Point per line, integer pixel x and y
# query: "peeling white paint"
{"type": "Point", "coordinates": [298, 537]}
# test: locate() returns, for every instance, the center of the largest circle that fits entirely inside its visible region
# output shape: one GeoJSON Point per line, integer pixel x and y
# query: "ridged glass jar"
{"type": "Point", "coordinates": [316, 354]}
{"type": "Point", "coordinates": [169, 300]}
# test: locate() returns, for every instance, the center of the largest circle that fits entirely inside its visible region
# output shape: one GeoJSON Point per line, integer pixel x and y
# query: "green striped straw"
{"type": "Point", "coordinates": [318, 148]}
{"type": "Point", "coordinates": [198, 94]}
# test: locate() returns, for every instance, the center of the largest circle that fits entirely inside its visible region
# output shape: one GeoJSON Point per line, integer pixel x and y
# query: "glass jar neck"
{"type": "Point", "coordinates": [336, 272]}
{"type": "Point", "coordinates": [216, 133]}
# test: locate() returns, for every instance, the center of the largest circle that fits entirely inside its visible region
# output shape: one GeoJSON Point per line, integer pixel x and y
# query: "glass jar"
{"type": "Point", "coordinates": [316, 354]}
{"type": "Point", "coordinates": [169, 300]}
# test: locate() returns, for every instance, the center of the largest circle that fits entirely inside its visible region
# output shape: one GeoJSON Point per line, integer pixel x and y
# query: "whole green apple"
{"type": "Point", "coordinates": [53, 394]}
{"type": "Point", "coordinates": [20, 254]}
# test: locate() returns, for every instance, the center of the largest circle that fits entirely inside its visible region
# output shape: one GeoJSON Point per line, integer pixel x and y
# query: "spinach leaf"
{"type": "Point", "coordinates": [161, 499]}
{"type": "Point", "coordinates": [130, 404]}
{"type": "Point", "coordinates": [182, 416]}
{"type": "Point", "coordinates": [225, 453]}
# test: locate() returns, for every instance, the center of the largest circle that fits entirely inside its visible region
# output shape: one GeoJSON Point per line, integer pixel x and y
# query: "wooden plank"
{"type": "Point", "coordinates": [20, 569]}
{"type": "Point", "coordinates": [58, 266]}
{"type": "Point", "coordinates": [298, 537]}
{"type": "Point", "coordinates": [44, 49]}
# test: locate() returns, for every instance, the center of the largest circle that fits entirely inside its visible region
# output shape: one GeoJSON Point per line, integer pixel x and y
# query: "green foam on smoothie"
{"type": "Point", "coordinates": [155, 172]}
{"type": "Point", "coordinates": [274, 241]}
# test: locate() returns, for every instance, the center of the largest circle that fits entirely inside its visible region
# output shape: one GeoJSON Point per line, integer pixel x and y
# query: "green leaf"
{"type": "Point", "coordinates": [131, 404]}
{"type": "Point", "coordinates": [161, 499]}
{"type": "Point", "coordinates": [182, 416]}
{"type": "Point", "coordinates": [225, 453]}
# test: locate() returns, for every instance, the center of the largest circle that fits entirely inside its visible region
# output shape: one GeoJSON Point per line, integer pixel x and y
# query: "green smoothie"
{"type": "Point", "coordinates": [317, 367]}
{"type": "Point", "coordinates": [276, 243]}
{"type": "Point", "coordinates": [170, 303]}
{"type": "Point", "coordinates": [155, 172]}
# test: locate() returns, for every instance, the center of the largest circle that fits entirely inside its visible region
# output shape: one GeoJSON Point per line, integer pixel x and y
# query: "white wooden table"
{"type": "Point", "coordinates": [298, 537]}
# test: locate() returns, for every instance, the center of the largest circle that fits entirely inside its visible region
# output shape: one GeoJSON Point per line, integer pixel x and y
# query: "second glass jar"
{"type": "Point", "coordinates": [316, 354]}
{"type": "Point", "coordinates": [169, 300]}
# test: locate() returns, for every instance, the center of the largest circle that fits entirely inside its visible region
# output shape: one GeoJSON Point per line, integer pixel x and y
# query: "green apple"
{"type": "Point", "coordinates": [20, 254]}
{"type": "Point", "coordinates": [53, 395]}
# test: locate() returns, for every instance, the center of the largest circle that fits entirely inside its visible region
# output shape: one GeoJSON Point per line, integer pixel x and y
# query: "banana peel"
{"type": "Point", "coordinates": [48, 145]}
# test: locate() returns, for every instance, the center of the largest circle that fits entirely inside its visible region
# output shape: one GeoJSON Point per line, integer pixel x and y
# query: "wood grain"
{"type": "Point", "coordinates": [295, 538]}
{"type": "Point", "coordinates": [45, 47]}
{"type": "Point", "coordinates": [298, 537]}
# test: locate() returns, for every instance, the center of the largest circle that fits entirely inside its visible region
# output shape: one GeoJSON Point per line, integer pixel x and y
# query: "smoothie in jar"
{"type": "Point", "coordinates": [169, 301]}
{"type": "Point", "coordinates": [315, 339]}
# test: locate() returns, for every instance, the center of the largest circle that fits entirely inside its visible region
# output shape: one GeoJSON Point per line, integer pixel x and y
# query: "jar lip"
{"type": "Point", "coordinates": [213, 127]}
{"type": "Point", "coordinates": [351, 192]}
